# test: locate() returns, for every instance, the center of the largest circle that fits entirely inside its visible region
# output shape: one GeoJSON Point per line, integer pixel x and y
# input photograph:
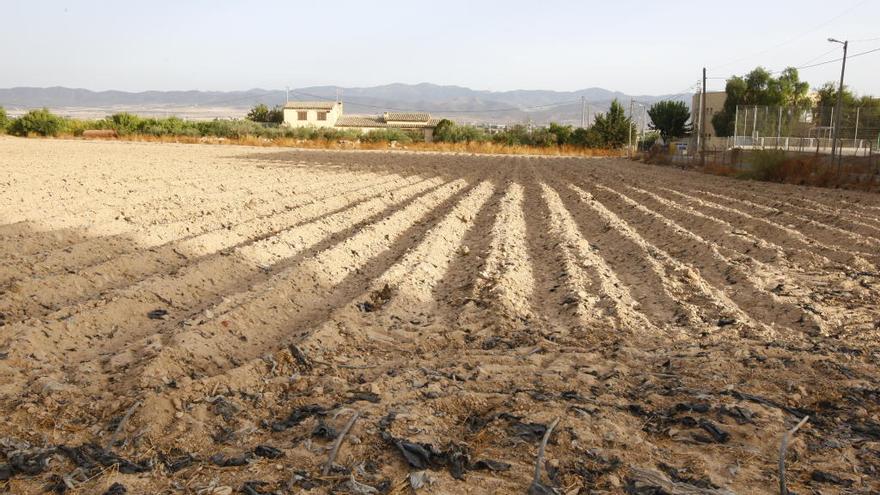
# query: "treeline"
{"type": "Point", "coordinates": [609, 130]}
{"type": "Point", "coordinates": [761, 88]}
{"type": "Point", "coordinates": [41, 122]}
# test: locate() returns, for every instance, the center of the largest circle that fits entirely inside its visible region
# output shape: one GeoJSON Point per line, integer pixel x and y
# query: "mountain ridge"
{"type": "Point", "coordinates": [457, 102]}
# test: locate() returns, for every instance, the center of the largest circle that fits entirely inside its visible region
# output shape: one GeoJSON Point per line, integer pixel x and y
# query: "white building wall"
{"type": "Point", "coordinates": [291, 117]}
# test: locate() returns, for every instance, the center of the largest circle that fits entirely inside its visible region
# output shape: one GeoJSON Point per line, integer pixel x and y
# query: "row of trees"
{"type": "Point", "coordinates": [44, 123]}
{"type": "Point", "coordinates": [760, 88]}
{"type": "Point", "coordinates": [609, 130]}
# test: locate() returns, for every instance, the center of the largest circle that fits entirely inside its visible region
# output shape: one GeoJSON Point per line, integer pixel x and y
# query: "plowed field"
{"type": "Point", "coordinates": [167, 309]}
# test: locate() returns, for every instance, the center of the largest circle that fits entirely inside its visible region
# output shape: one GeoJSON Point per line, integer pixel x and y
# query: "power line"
{"type": "Point", "coordinates": [834, 60]}
{"type": "Point", "coordinates": [820, 56]}
{"type": "Point", "coordinates": [819, 64]}
{"type": "Point", "coordinates": [790, 40]}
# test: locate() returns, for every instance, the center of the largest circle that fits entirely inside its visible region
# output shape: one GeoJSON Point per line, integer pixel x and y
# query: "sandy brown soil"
{"type": "Point", "coordinates": [177, 309]}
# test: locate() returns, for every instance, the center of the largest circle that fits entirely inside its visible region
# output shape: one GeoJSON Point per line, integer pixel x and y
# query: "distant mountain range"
{"type": "Point", "coordinates": [458, 103]}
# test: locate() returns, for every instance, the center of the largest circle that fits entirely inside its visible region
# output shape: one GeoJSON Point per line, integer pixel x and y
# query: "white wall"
{"type": "Point", "coordinates": [291, 117]}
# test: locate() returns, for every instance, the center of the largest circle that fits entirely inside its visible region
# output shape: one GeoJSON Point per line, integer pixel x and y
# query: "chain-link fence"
{"type": "Point", "coordinates": [807, 129]}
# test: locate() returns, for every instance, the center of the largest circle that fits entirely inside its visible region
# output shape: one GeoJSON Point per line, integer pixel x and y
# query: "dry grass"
{"type": "Point", "coordinates": [857, 173]}
{"type": "Point", "coordinates": [474, 147]}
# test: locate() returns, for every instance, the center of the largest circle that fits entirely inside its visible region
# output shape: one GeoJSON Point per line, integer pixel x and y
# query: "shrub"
{"type": "Point", "coordinates": [262, 113]}
{"type": "Point", "coordinates": [169, 126]}
{"type": "Point", "coordinates": [77, 126]}
{"type": "Point", "coordinates": [543, 138]}
{"type": "Point", "coordinates": [231, 129]}
{"type": "Point", "coordinates": [4, 120]}
{"type": "Point", "coordinates": [563, 133]}
{"type": "Point", "coordinates": [587, 138]}
{"type": "Point", "coordinates": [448, 131]}
{"type": "Point", "coordinates": [766, 166]}
{"type": "Point", "coordinates": [516, 135]}
{"type": "Point", "coordinates": [40, 122]}
{"type": "Point", "coordinates": [398, 135]}
{"type": "Point", "coordinates": [124, 123]}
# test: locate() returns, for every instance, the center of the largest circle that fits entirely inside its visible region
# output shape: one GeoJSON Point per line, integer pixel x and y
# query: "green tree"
{"type": "Point", "coordinates": [562, 132]}
{"type": "Point", "coordinates": [869, 112]}
{"type": "Point", "coordinates": [670, 118]}
{"type": "Point", "coordinates": [587, 138]}
{"type": "Point", "coordinates": [259, 113]}
{"type": "Point", "coordinates": [759, 87]}
{"type": "Point", "coordinates": [276, 115]}
{"type": "Point", "coordinates": [614, 128]}
{"type": "Point", "coordinates": [828, 96]}
{"type": "Point", "coordinates": [40, 122]}
{"type": "Point", "coordinates": [445, 131]}
{"type": "Point", "coordinates": [4, 120]}
{"type": "Point", "coordinates": [789, 90]}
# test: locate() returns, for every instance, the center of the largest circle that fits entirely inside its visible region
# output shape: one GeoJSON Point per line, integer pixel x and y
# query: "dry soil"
{"type": "Point", "coordinates": [169, 303]}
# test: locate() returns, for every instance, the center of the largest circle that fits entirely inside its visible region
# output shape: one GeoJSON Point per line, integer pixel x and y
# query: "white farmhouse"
{"type": "Point", "coordinates": [329, 114]}
{"type": "Point", "coordinates": [312, 113]}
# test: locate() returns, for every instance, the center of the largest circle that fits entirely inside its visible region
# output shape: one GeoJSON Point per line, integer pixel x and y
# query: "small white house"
{"type": "Point", "coordinates": [312, 113]}
{"type": "Point", "coordinates": [329, 114]}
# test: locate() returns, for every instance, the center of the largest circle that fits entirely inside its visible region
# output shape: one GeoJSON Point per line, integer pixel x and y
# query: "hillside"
{"type": "Point", "coordinates": [462, 104]}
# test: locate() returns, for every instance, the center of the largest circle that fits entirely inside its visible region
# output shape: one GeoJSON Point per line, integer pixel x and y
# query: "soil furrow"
{"type": "Point", "coordinates": [602, 294]}
{"type": "Point", "coordinates": [38, 297]}
{"type": "Point", "coordinates": [693, 300]}
{"type": "Point", "coordinates": [819, 230]}
{"type": "Point", "coordinates": [295, 296]}
{"type": "Point", "coordinates": [751, 304]}
{"type": "Point", "coordinates": [194, 289]}
{"type": "Point", "coordinates": [854, 259]}
{"type": "Point", "coordinates": [249, 300]}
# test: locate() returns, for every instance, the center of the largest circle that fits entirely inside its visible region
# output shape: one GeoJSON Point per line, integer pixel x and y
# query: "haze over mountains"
{"type": "Point", "coordinates": [459, 103]}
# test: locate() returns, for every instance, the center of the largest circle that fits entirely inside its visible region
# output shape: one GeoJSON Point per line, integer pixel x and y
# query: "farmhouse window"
{"type": "Point", "coordinates": [322, 115]}
{"type": "Point", "coordinates": [302, 115]}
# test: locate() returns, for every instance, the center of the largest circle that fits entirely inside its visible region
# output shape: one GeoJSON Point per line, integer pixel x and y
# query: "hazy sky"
{"type": "Point", "coordinates": [638, 47]}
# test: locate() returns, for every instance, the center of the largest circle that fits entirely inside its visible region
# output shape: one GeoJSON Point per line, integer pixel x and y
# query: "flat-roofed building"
{"type": "Point", "coordinates": [329, 114]}
{"type": "Point", "coordinates": [714, 104]}
{"type": "Point", "coordinates": [312, 113]}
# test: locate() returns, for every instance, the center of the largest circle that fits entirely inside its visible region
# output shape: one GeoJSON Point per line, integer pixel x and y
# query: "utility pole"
{"type": "Point", "coordinates": [856, 133]}
{"type": "Point", "coordinates": [703, 121]}
{"type": "Point", "coordinates": [779, 128]}
{"type": "Point", "coordinates": [583, 111]}
{"type": "Point", "coordinates": [836, 131]}
{"type": "Point", "coordinates": [735, 124]}
{"type": "Point", "coordinates": [287, 95]}
{"type": "Point", "coordinates": [630, 127]}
